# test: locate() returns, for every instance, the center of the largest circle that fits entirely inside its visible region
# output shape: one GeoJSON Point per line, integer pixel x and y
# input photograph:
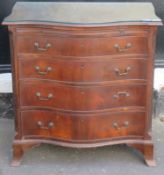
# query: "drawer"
{"type": "Point", "coordinates": [40, 123]}
{"type": "Point", "coordinates": [81, 45]}
{"type": "Point", "coordinates": [83, 70]}
{"type": "Point", "coordinates": [67, 97]}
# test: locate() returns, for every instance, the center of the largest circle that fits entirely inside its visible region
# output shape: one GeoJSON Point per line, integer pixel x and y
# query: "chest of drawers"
{"type": "Point", "coordinates": [82, 80]}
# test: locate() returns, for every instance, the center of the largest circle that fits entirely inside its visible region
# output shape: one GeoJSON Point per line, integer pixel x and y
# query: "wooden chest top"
{"type": "Point", "coordinates": [80, 13]}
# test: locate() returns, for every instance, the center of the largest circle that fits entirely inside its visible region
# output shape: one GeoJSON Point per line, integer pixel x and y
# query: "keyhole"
{"type": "Point", "coordinates": [82, 66]}
{"type": "Point", "coordinates": [122, 32]}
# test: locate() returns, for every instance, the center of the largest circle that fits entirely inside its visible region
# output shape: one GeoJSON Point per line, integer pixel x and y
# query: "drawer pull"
{"type": "Point", "coordinates": [50, 125]}
{"type": "Point", "coordinates": [48, 69]}
{"type": "Point", "coordinates": [50, 96]}
{"type": "Point", "coordinates": [47, 46]}
{"type": "Point", "coordinates": [125, 94]}
{"type": "Point", "coordinates": [119, 49]}
{"type": "Point", "coordinates": [126, 123]}
{"type": "Point", "coordinates": [125, 72]}
{"type": "Point", "coordinates": [42, 126]}
{"type": "Point", "coordinates": [116, 125]}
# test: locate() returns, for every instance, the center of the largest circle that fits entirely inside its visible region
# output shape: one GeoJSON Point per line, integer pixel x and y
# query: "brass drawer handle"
{"type": "Point", "coordinates": [126, 123]}
{"type": "Point", "coordinates": [125, 72]}
{"type": "Point", "coordinates": [50, 125]}
{"type": "Point", "coordinates": [50, 96]}
{"type": "Point", "coordinates": [47, 46]}
{"type": "Point", "coordinates": [119, 49]}
{"type": "Point", "coordinates": [48, 69]}
{"type": "Point", "coordinates": [117, 127]}
{"type": "Point", "coordinates": [125, 94]}
{"type": "Point", "coordinates": [42, 126]}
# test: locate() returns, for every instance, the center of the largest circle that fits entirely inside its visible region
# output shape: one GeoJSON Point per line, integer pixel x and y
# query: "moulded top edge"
{"type": "Point", "coordinates": [82, 13]}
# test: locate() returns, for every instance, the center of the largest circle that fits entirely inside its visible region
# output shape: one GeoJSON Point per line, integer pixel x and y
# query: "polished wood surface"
{"type": "Point", "coordinates": [79, 98]}
{"type": "Point", "coordinates": [82, 70]}
{"type": "Point", "coordinates": [82, 128]}
{"type": "Point", "coordinates": [95, 45]}
{"type": "Point", "coordinates": [82, 86]}
{"type": "Point", "coordinates": [88, 96]}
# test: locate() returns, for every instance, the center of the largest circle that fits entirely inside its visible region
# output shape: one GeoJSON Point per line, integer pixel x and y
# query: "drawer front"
{"type": "Point", "coordinates": [48, 94]}
{"type": "Point", "coordinates": [81, 46]}
{"type": "Point", "coordinates": [83, 70]}
{"type": "Point", "coordinates": [82, 127]}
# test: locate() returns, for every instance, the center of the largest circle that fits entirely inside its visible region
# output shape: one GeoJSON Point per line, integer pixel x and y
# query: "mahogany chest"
{"type": "Point", "coordinates": [82, 74]}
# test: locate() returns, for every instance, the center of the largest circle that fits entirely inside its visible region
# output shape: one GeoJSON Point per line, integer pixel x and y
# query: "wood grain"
{"type": "Point", "coordinates": [95, 99]}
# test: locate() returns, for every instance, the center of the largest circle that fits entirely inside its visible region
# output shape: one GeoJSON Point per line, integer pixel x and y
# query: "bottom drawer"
{"type": "Point", "coordinates": [48, 124]}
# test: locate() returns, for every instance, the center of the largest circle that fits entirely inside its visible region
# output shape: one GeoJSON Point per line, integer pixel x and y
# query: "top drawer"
{"type": "Point", "coordinates": [82, 45]}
